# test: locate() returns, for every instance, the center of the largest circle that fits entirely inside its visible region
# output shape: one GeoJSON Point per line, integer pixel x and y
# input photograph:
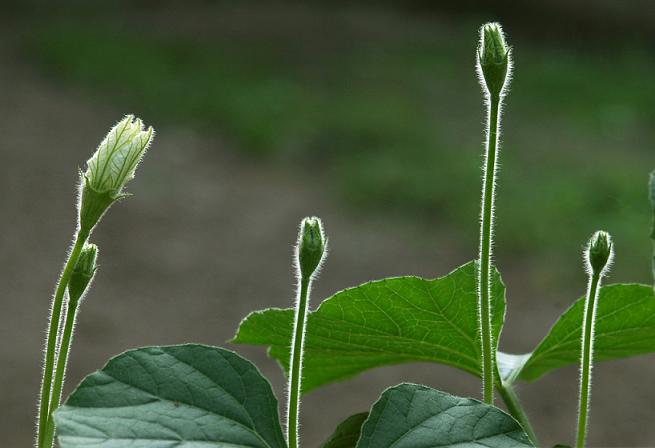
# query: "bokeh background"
{"type": "Point", "coordinates": [367, 114]}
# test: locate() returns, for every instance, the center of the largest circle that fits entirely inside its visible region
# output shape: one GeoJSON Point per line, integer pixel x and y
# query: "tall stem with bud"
{"type": "Point", "coordinates": [494, 66]}
{"type": "Point", "coordinates": [310, 252]}
{"type": "Point", "coordinates": [109, 169]}
{"type": "Point", "coordinates": [598, 258]}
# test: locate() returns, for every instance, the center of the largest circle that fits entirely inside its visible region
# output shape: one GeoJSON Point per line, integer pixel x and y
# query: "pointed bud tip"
{"type": "Point", "coordinates": [311, 246]}
{"type": "Point", "coordinates": [599, 252]}
{"type": "Point", "coordinates": [83, 272]}
{"type": "Point", "coordinates": [493, 57]}
{"type": "Point", "coordinates": [88, 258]}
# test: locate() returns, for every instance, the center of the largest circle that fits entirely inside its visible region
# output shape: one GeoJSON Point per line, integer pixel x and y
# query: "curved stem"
{"type": "Point", "coordinates": [486, 233]}
{"type": "Point", "coordinates": [60, 371]}
{"type": "Point", "coordinates": [515, 408]}
{"type": "Point", "coordinates": [295, 373]}
{"type": "Point", "coordinates": [53, 330]}
{"type": "Point", "coordinates": [587, 358]}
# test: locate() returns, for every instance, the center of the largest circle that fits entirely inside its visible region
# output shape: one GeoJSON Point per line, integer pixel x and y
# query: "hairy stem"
{"type": "Point", "coordinates": [515, 408]}
{"type": "Point", "coordinates": [53, 333]}
{"type": "Point", "coordinates": [60, 370]}
{"type": "Point", "coordinates": [587, 358]}
{"type": "Point", "coordinates": [295, 373]}
{"type": "Point", "coordinates": [486, 233]}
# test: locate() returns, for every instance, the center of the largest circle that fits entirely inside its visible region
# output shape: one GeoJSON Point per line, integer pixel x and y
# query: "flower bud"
{"type": "Point", "coordinates": [493, 58]}
{"type": "Point", "coordinates": [311, 246]}
{"type": "Point", "coordinates": [599, 253]}
{"type": "Point", "coordinates": [111, 167]}
{"type": "Point", "coordinates": [83, 272]}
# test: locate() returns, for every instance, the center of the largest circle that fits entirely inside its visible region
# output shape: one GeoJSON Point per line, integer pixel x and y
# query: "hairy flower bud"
{"type": "Point", "coordinates": [111, 167]}
{"type": "Point", "coordinates": [311, 246]}
{"type": "Point", "coordinates": [83, 272]}
{"type": "Point", "coordinates": [599, 253]}
{"type": "Point", "coordinates": [494, 58]}
{"type": "Point", "coordinates": [118, 155]}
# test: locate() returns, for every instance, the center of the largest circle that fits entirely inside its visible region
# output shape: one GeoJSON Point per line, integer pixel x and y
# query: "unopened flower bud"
{"type": "Point", "coordinates": [493, 58]}
{"type": "Point", "coordinates": [111, 167]}
{"type": "Point", "coordinates": [83, 272]}
{"type": "Point", "coordinates": [311, 246]}
{"type": "Point", "coordinates": [599, 253]}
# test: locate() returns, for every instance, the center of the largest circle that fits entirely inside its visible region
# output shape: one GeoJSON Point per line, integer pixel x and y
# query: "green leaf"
{"type": "Point", "coordinates": [347, 433]}
{"type": "Point", "coordinates": [390, 321]}
{"type": "Point", "coordinates": [414, 416]}
{"type": "Point", "coordinates": [625, 326]}
{"type": "Point", "coordinates": [182, 396]}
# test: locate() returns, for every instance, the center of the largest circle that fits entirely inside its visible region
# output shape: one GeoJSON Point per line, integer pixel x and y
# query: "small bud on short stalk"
{"type": "Point", "coordinates": [599, 253]}
{"type": "Point", "coordinates": [83, 272]}
{"type": "Point", "coordinates": [311, 246]}
{"type": "Point", "coordinates": [110, 168]}
{"type": "Point", "coordinates": [494, 58]}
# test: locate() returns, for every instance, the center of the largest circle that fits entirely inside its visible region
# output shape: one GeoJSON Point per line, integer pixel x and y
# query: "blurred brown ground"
{"type": "Point", "coordinates": [208, 238]}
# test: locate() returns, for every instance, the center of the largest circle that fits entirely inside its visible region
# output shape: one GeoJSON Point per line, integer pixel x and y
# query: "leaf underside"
{"type": "Point", "coordinates": [625, 326]}
{"type": "Point", "coordinates": [414, 416]}
{"type": "Point", "coordinates": [409, 319]}
{"type": "Point", "coordinates": [183, 396]}
{"type": "Point", "coordinates": [391, 321]}
{"type": "Point", "coordinates": [347, 432]}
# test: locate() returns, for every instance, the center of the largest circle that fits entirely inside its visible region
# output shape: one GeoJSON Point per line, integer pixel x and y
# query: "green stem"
{"type": "Point", "coordinates": [60, 371]}
{"type": "Point", "coordinates": [587, 358]}
{"type": "Point", "coordinates": [486, 232]}
{"type": "Point", "coordinates": [295, 376]}
{"type": "Point", "coordinates": [53, 330]}
{"type": "Point", "coordinates": [515, 408]}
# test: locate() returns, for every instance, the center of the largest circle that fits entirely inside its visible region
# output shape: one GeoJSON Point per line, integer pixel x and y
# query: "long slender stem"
{"type": "Point", "coordinates": [295, 376]}
{"type": "Point", "coordinates": [51, 341]}
{"type": "Point", "coordinates": [60, 370]}
{"type": "Point", "coordinates": [486, 232]}
{"type": "Point", "coordinates": [515, 408]}
{"type": "Point", "coordinates": [587, 358]}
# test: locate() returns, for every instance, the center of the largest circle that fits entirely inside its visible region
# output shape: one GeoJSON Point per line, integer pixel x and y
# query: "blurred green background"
{"type": "Point", "coordinates": [376, 106]}
{"type": "Point", "coordinates": [381, 104]}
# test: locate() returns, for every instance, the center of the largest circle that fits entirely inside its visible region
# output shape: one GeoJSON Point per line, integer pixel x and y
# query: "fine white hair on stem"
{"type": "Point", "coordinates": [309, 254]}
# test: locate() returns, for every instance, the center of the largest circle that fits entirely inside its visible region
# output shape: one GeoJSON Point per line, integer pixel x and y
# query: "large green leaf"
{"type": "Point", "coordinates": [347, 433]}
{"type": "Point", "coordinates": [414, 416]}
{"type": "Point", "coordinates": [183, 396]}
{"type": "Point", "coordinates": [390, 321]}
{"type": "Point", "coordinates": [625, 326]}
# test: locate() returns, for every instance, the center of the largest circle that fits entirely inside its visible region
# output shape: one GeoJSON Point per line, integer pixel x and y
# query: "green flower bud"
{"type": "Point", "coordinates": [111, 167]}
{"type": "Point", "coordinates": [599, 253]}
{"type": "Point", "coordinates": [494, 58]}
{"type": "Point", "coordinates": [311, 246]}
{"type": "Point", "coordinates": [83, 272]}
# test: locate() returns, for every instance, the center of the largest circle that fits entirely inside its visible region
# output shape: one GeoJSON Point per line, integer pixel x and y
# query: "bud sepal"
{"type": "Point", "coordinates": [311, 246]}
{"type": "Point", "coordinates": [494, 58]}
{"type": "Point", "coordinates": [599, 253]}
{"type": "Point", "coordinates": [83, 272]}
